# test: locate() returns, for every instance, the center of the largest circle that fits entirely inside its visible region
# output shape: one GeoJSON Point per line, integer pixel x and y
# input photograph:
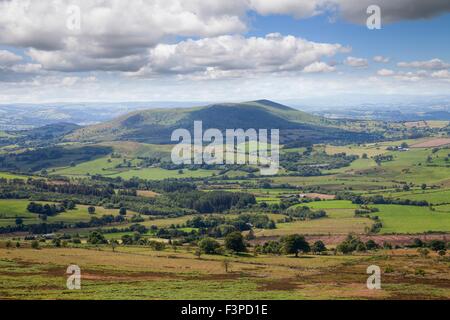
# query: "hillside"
{"type": "Point", "coordinates": [157, 125]}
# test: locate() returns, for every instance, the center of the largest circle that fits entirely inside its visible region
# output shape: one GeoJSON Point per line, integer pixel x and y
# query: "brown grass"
{"type": "Point", "coordinates": [433, 143]}
{"type": "Point", "coordinates": [147, 194]}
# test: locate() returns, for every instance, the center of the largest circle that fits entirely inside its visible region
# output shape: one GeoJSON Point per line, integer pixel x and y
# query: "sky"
{"type": "Point", "coordinates": [319, 51]}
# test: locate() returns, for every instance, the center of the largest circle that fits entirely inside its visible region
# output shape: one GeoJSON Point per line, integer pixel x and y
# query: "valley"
{"type": "Point", "coordinates": [107, 197]}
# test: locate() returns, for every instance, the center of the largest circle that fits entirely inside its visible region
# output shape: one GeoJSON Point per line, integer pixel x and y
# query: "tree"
{"type": "Point", "coordinates": [91, 210]}
{"type": "Point", "coordinates": [198, 253]}
{"type": "Point", "coordinates": [123, 211]}
{"type": "Point", "coordinates": [96, 238]}
{"type": "Point", "coordinates": [318, 247]}
{"type": "Point", "coordinates": [56, 242]}
{"type": "Point", "coordinates": [250, 235]}
{"type": "Point", "coordinates": [294, 244]}
{"type": "Point", "coordinates": [371, 245]}
{"type": "Point", "coordinates": [19, 221]}
{"type": "Point", "coordinates": [234, 241]}
{"type": "Point", "coordinates": [35, 244]}
{"type": "Point", "coordinates": [350, 244]}
{"type": "Point", "coordinates": [423, 186]}
{"type": "Point", "coordinates": [208, 245]}
{"type": "Point", "coordinates": [127, 240]}
{"type": "Point", "coordinates": [226, 265]}
{"type": "Point", "coordinates": [114, 244]}
{"type": "Point", "coordinates": [437, 245]}
{"type": "Point", "coordinates": [361, 247]}
{"type": "Point", "coordinates": [417, 243]}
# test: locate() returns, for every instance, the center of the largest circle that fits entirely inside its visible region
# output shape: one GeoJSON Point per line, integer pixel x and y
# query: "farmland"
{"type": "Point", "coordinates": [137, 224]}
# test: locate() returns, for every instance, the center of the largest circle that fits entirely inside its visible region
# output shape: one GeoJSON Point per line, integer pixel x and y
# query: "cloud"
{"type": "Point", "coordinates": [391, 11]}
{"type": "Point", "coordinates": [296, 8]}
{"type": "Point", "coordinates": [114, 35]}
{"type": "Point", "coordinates": [381, 59]}
{"type": "Point", "coordinates": [318, 67]}
{"type": "Point", "coordinates": [412, 76]}
{"type": "Point", "coordinates": [355, 10]}
{"type": "Point", "coordinates": [442, 74]}
{"type": "Point", "coordinates": [434, 64]}
{"type": "Point", "coordinates": [12, 67]}
{"type": "Point", "coordinates": [31, 68]}
{"type": "Point", "coordinates": [228, 56]}
{"type": "Point", "coordinates": [8, 58]}
{"type": "Point", "coordinates": [356, 62]}
{"type": "Point", "coordinates": [404, 76]}
{"type": "Point", "coordinates": [385, 72]}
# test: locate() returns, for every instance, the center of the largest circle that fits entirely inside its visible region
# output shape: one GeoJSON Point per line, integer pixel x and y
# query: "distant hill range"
{"type": "Point", "coordinates": [156, 125]}
{"type": "Point", "coordinates": [28, 116]}
{"type": "Point", "coordinates": [394, 114]}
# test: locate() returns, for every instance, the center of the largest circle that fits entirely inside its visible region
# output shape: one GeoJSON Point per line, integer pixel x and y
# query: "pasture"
{"type": "Point", "coordinates": [411, 219]}
{"type": "Point", "coordinates": [12, 209]}
{"type": "Point", "coordinates": [141, 273]}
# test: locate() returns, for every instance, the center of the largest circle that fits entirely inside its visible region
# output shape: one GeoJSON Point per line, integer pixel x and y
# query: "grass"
{"type": "Point", "coordinates": [332, 204]}
{"type": "Point", "coordinates": [339, 221]}
{"type": "Point", "coordinates": [12, 209]}
{"type": "Point", "coordinates": [6, 175]}
{"type": "Point", "coordinates": [140, 273]}
{"type": "Point", "coordinates": [161, 174]}
{"type": "Point", "coordinates": [434, 197]}
{"type": "Point", "coordinates": [103, 166]}
{"type": "Point", "coordinates": [412, 219]}
{"type": "Point", "coordinates": [395, 218]}
{"type": "Point", "coordinates": [107, 166]}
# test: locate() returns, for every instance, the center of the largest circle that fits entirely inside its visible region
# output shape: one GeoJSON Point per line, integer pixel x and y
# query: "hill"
{"type": "Point", "coordinates": [157, 125]}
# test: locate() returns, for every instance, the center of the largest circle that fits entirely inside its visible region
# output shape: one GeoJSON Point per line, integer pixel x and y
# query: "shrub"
{"type": "Point", "coordinates": [235, 242]}
{"type": "Point", "coordinates": [272, 247]}
{"type": "Point", "coordinates": [35, 244]}
{"type": "Point", "coordinates": [318, 247]}
{"type": "Point", "coordinates": [437, 245]}
{"type": "Point", "coordinates": [96, 238]}
{"type": "Point", "coordinates": [350, 244]}
{"type": "Point", "coordinates": [372, 245]}
{"type": "Point", "coordinates": [157, 246]}
{"type": "Point", "coordinates": [208, 245]}
{"type": "Point", "coordinates": [423, 252]}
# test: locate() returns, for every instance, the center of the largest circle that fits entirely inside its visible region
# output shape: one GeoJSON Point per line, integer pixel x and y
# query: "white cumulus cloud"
{"type": "Point", "coordinates": [428, 64]}
{"type": "Point", "coordinates": [237, 55]}
{"type": "Point", "coordinates": [356, 62]}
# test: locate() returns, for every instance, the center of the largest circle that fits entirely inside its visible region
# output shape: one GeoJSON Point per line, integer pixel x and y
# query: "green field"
{"type": "Point", "coordinates": [434, 197]}
{"type": "Point", "coordinates": [411, 219]}
{"type": "Point", "coordinates": [161, 174]}
{"type": "Point", "coordinates": [107, 167]}
{"type": "Point", "coordinates": [339, 222]}
{"type": "Point", "coordinates": [12, 209]}
{"type": "Point", "coordinates": [103, 166]}
{"type": "Point", "coordinates": [7, 175]}
{"type": "Point", "coordinates": [395, 218]}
